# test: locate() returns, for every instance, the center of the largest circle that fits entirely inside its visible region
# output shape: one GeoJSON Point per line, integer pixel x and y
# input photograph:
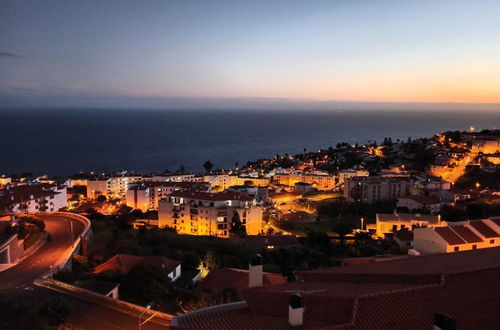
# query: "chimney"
{"type": "Point", "coordinates": [255, 272]}
{"type": "Point", "coordinates": [296, 310]}
{"type": "Point", "coordinates": [444, 322]}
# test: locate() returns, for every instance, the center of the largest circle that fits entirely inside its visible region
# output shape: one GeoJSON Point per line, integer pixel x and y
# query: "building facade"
{"type": "Point", "coordinates": [208, 214]}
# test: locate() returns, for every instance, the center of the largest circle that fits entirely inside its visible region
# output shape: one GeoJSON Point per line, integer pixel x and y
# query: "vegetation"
{"type": "Point", "coordinates": [43, 314]}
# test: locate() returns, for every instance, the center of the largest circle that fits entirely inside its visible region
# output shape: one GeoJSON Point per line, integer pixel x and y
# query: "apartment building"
{"type": "Point", "coordinates": [146, 195]}
{"type": "Point", "coordinates": [317, 180]}
{"type": "Point", "coordinates": [372, 190]}
{"type": "Point", "coordinates": [223, 182]}
{"type": "Point", "coordinates": [458, 236]}
{"type": "Point", "coordinates": [208, 214]}
{"type": "Point", "coordinates": [347, 174]}
{"type": "Point", "coordinates": [33, 198]}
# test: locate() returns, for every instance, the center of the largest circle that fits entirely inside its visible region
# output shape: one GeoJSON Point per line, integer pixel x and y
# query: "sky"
{"type": "Point", "coordinates": [210, 53]}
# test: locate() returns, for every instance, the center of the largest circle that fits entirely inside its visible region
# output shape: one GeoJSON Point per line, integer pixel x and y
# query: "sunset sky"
{"type": "Point", "coordinates": [376, 51]}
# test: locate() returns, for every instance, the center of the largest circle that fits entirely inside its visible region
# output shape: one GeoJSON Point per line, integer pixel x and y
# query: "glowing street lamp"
{"type": "Point", "coordinates": [478, 185]}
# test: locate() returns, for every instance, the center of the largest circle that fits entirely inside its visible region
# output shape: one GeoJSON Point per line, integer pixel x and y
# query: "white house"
{"type": "Point", "coordinates": [459, 236]}
{"type": "Point", "coordinates": [417, 203]}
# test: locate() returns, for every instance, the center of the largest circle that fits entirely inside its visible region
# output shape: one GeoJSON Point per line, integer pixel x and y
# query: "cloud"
{"type": "Point", "coordinates": [9, 55]}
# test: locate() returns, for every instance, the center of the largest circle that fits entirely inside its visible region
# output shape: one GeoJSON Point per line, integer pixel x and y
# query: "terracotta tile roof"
{"type": "Point", "coordinates": [120, 262]}
{"type": "Point", "coordinates": [206, 196]}
{"type": "Point", "coordinates": [449, 235]}
{"type": "Point", "coordinates": [25, 193]}
{"type": "Point", "coordinates": [483, 228]}
{"type": "Point", "coordinates": [423, 200]}
{"type": "Point", "coordinates": [166, 263]}
{"type": "Point", "coordinates": [496, 220]}
{"type": "Point", "coordinates": [466, 287]}
{"type": "Point", "coordinates": [466, 234]}
{"type": "Point", "coordinates": [446, 263]}
{"type": "Point", "coordinates": [219, 279]}
{"type": "Point", "coordinates": [125, 262]}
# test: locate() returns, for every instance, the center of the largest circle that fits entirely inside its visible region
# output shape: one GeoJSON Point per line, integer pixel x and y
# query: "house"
{"type": "Point", "coordinates": [108, 289]}
{"type": "Point", "coordinates": [391, 223]}
{"type": "Point", "coordinates": [419, 292]}
{"type": "Point", "coordinates": [124, 263]}
{"type": "Point", "coordinates": [209, 214]}
{"type": "Point", "coordinates": [420, 203]}
{"type": "Point", "coordinates": [458, 236]}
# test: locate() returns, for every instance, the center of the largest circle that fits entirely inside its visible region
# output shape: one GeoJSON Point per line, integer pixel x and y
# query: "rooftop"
{"type": "Point", "coordinates": [408, 217]}
{"type": "Point", "coordinates": [206, 196]}
{"type": "Point", "coordinates": [463, 285]}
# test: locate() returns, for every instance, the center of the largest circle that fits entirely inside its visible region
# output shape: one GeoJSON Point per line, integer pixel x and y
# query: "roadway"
{"type": "Point", "coordinates": [16, 283]}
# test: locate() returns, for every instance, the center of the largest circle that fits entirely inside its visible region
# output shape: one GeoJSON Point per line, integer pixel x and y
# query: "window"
{"type": "Point", "coordinates": [211, 204]}
{"type": "Point", "coordinates": [456, 248]}
{"type": "Point", "coordinates": [492, 241]}
{"type": "Point", "coordinates": [474, 246]}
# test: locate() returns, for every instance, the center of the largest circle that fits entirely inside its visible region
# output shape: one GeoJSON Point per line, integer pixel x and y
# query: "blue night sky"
{"type": "Point", "coordinates": [112, 53]}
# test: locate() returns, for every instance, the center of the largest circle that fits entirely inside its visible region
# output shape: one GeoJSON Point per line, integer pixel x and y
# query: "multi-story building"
{"type": "Point", "coordinates": [372, 190]}
{"type": "Point", "coordinates": [117, 186]}
{"type": "Point", "coordinates": [210, 214]}
{"type": "Point", "coordinates": [319, 181]}
{"type": "Point", "coordinates": [347, 174]}
{"type": "Point", "coordinates": [222, 182]}
{"type": "Point", "coordinates": [33, 198]}
{"type": "Point", "coordinates": [145, 195]}
{"type": "Point", "coordinates": [458, 236]}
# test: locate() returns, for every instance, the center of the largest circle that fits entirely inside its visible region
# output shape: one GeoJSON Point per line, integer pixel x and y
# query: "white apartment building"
{"type": "Point", "coordinates": [208, 214]}
{"type": "Point", "coordinates": [458, 236]}
{"type": "Point", "coordinates": [319, 181]}
{"type": "Point", "coordinates": [33, 198]}
{"type": "Point", "coordinates": [347, 174]}
{"type": "Point", "coordinates": [226, 181]}
{"type": "Point", "coordinates": [146, 195]}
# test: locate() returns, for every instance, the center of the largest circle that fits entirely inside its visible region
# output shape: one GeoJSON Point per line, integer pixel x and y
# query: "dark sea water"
{"type": "Point", "coordinates": [64, 141]}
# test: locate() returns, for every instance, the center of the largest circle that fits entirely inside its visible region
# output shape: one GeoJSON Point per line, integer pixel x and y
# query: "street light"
{"type": "Point", "coordinates": [362, 222]}
{"type": "Point", "coordinates": [140, 316]}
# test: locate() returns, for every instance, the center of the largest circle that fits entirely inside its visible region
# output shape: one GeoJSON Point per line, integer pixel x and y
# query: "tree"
{"type": "Point", "coordinates": [145, 284]}
{"type": "Point", "coordinates": [208, 165]}
{"type": "Point", "coordinates": [342, 229]}
{"type": "Point", "coordinates": [237, 226]}
{"type": "Point", "coordinates": [181, 170]}
{"type": "Point", "coordinates": [101, 198]}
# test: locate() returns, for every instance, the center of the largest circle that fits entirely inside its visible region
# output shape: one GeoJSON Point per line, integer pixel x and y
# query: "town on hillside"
{"type": "Point", "coordinates": [338, 237]}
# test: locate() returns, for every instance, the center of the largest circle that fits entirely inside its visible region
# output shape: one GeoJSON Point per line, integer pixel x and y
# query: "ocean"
{"type": "Point", "coordinates": [65, 141]}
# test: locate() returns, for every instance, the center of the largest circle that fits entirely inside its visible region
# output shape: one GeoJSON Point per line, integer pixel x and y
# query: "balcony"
{"type": "Point", "coordinates": [193, 211]}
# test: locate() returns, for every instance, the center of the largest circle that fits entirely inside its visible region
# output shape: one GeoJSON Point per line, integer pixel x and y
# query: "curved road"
{"type": "Point", "coordinates": [63, 232]}
{"type": "Point", "coordinates": [16, 283]}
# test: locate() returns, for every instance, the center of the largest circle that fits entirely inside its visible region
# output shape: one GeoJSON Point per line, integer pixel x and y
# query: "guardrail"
{"type": "Point", "coordinates": [66, 257]}
{"type": "Point", "coordinates": [116, 304]}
